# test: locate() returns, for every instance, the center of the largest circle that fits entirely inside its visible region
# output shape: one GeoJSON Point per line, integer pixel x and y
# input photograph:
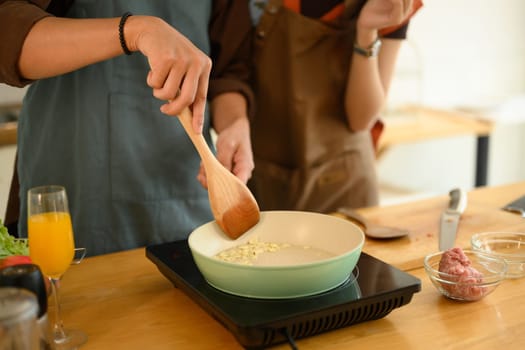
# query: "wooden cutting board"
{"type": "Point", "coordinates": [421, 218]}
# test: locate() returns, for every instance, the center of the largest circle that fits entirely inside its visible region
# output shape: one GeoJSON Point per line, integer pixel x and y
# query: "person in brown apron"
{"type": "Point", "coordinates": [320, 86]}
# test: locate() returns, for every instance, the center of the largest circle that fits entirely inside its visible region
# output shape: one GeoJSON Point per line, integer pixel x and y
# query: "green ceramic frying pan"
{"type": "Point", "coordinates": [296, 269]}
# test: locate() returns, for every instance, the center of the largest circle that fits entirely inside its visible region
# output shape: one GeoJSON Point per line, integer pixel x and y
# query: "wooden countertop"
{"type": "Point", "coordinates": [418, 123]}
{"type": "Point", "coordinates": [8, 130]}
{"type": "Point", "coordinates": [421, 218]}
{"type": "Point", "coordinates": [8, 133]}
{"type": "Point", "coordinates": [123, 302]}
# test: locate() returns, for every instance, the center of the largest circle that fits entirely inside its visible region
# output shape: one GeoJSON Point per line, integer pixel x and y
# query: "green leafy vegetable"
{"type": "Point", "coordinates": [9, 245]}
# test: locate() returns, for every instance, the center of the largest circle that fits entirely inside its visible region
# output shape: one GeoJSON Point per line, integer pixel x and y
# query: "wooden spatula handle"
{"type": "Point", "coordinates": [198, 140]}
{"type": "Point", "coordinates": [232, 204]}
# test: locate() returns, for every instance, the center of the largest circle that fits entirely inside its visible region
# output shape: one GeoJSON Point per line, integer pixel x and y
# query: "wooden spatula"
{"type": "Point", "coordinates": [371, 230]}
{"type": "Point", "coordinates": [232, 204]}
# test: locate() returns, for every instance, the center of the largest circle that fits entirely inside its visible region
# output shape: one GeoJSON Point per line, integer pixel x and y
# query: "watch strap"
{"type": "Point", "coordinates": [371, 51]}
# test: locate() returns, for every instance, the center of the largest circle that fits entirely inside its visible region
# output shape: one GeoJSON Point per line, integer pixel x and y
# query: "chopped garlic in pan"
{"type": "Point", "coordinates": [256, 252]}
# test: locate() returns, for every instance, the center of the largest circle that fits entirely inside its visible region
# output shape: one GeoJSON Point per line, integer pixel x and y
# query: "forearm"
{"type": "Point", "coordinates": [57, 45]}
{"type": "Point", "coordinates": [365, 93]}
{"type": "Point", "coordinates": [368, 84]}
{"type": "Point", "coordinates": [179, 71]}
{"type": "Point", "coordinates": [369, 78]}
{"type": "Point", "coordinates": [60, 45]}
{"type": "Point", "coordinates": [228, 108]}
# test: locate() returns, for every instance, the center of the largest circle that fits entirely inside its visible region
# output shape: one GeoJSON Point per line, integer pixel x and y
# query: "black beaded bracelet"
{"type": "Point", "coordinates": [121, 33]}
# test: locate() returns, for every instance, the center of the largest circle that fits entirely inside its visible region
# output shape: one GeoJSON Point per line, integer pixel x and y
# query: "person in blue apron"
{"type": "Point", "coordinates": [321, 80]}
{"type": "Point", "coordinates": [98, 121]}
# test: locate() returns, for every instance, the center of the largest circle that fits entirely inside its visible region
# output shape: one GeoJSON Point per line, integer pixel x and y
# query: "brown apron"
{"type": "Point", "coordinates": [306, 157]}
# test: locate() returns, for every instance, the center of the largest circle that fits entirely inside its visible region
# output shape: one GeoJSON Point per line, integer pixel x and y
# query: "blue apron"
{"type": "Point", "coordinates": [129, 170]}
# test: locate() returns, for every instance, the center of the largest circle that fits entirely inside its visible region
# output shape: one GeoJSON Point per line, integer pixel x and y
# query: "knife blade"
{"type": "Point", "coordinates": [450, 218]}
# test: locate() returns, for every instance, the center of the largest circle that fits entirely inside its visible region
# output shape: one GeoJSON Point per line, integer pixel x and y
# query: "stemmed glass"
{"type": "Point", "coordinates": [52, 248]}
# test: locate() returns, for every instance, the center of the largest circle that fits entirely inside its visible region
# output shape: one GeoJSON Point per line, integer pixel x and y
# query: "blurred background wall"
{"type": "Point", "coordinates": [461, 54]}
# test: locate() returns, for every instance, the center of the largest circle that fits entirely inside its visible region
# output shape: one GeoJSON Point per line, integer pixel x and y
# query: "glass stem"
{"type": "Point", "coordinates": [58, 327]}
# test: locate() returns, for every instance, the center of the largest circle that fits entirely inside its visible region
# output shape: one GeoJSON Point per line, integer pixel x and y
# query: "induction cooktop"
{"type": "Point", "coordinates": [373, 289]}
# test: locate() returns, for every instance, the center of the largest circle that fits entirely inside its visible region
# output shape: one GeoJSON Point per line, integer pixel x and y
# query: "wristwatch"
{"type": "Point", "coordinates": [371, 51]}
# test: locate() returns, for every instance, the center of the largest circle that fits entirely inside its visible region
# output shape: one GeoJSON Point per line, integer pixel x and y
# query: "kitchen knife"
{"type": "Point", "coordinates": [450, 218]}
{"type": "Point", "coordinates": [516, 206]}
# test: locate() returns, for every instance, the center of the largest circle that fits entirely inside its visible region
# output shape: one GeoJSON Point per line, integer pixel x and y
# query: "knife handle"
{"type": "Point", "coordinates": [458, 200]}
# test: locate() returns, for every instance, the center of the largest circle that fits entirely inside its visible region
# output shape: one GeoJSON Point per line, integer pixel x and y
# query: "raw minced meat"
{"type": "Point", "coordinates": [455, 262]}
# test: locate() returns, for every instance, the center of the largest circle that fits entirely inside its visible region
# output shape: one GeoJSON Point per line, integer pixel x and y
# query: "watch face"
{"type": "Point", "coordinates": [376, 46]}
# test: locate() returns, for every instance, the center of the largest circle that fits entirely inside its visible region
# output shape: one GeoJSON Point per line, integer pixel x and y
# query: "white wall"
{"type": "Point", "coordinates": [461, 53]}
{"type": "Point", "coordinates": [8, 96]}
{"type": "Point", "coordinates": [472, 50]}
{"type": "Point", "coordinates": [11, 95]}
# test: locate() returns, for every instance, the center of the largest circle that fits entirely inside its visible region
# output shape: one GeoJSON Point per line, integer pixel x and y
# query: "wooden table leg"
{"type": "Point", "coordinates": [482, 157]}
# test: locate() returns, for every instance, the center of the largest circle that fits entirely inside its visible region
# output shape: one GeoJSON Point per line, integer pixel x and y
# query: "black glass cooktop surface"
{"type": "Point", "coordinates": [371, 292]}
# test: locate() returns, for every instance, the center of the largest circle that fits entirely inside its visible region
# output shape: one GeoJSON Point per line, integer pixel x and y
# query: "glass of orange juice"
{"type": "Point", "coordinates": [52, 248]}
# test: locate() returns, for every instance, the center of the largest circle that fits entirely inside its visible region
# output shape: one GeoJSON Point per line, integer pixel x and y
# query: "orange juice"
{"type": "Point", "coordinates": [51, 244]}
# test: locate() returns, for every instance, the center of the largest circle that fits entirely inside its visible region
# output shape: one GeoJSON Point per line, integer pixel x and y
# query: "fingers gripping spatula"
{"type": "Point", "coordinates": [232, 204]}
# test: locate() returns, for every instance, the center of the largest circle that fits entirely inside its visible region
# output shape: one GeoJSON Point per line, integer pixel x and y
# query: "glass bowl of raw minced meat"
{"type": "Point", "coordinates": [465, 275]}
